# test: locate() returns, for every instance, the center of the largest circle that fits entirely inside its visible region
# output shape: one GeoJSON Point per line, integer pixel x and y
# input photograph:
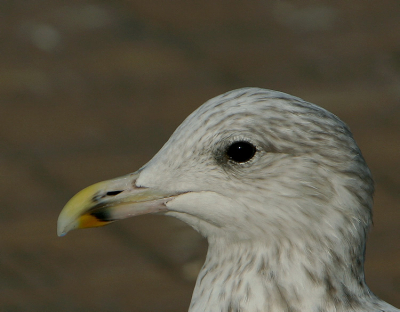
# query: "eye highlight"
{"type": "Point", "coordinates": [241, 151]}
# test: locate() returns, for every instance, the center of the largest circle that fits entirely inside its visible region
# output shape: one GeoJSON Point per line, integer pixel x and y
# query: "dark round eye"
{"type": "Point", "coordinates": [241, 151]}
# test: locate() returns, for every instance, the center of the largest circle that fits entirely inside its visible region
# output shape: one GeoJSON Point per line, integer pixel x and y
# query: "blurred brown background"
{"type": "Point", "coordinates": [90, 90]}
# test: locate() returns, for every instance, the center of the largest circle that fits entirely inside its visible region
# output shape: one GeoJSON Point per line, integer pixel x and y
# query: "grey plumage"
{"type": "Point", "coordinates": [307, 196]}
{"type": "Point", "coordinates": [286, 229]}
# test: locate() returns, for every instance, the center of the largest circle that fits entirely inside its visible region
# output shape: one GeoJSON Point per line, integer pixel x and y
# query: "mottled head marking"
{"type": "Point", "coordinates": [286, 225]}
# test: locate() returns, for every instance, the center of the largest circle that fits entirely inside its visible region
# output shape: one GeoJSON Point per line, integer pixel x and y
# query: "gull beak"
{"type": "Point", "coordinates": [108, 201]}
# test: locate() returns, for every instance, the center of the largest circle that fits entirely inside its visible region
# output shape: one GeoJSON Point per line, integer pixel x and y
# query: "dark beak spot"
{"type": "Point", "coordinates": [102, 215]}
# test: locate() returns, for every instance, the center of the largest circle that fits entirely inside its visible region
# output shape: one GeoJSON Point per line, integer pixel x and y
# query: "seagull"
{"type": "Point", "coordinates": [279, 188]}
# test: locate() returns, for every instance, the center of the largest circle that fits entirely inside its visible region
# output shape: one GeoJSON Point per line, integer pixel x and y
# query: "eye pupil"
{"type": "Point", "coordinates": [241, 151]}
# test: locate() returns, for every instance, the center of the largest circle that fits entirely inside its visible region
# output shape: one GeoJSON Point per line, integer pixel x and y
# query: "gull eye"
{"type": "Point", "coordinates": [241, 151]}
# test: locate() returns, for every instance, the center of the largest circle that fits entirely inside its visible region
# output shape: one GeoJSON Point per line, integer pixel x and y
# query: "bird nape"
{"type": "Point", "coordinates": [279, 188]}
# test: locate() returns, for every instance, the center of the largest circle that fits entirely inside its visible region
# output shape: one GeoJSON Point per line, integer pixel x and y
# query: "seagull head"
{"type": "Point", "coordinates": [249, 165]}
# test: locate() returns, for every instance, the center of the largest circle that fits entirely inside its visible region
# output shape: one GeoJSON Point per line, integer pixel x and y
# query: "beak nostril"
{"type": "Point", "coordinates": [113, 193]}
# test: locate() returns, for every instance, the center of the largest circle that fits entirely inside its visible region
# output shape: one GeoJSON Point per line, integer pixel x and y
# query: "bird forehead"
{"type": "Point", "coordinates": [252, 109]}
{"type": "Point", "coordinates": [272, 121]}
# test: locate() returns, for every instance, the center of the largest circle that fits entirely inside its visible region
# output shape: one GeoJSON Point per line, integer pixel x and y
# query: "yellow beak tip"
{"type": "Point", "coordinates": [70, 217]}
